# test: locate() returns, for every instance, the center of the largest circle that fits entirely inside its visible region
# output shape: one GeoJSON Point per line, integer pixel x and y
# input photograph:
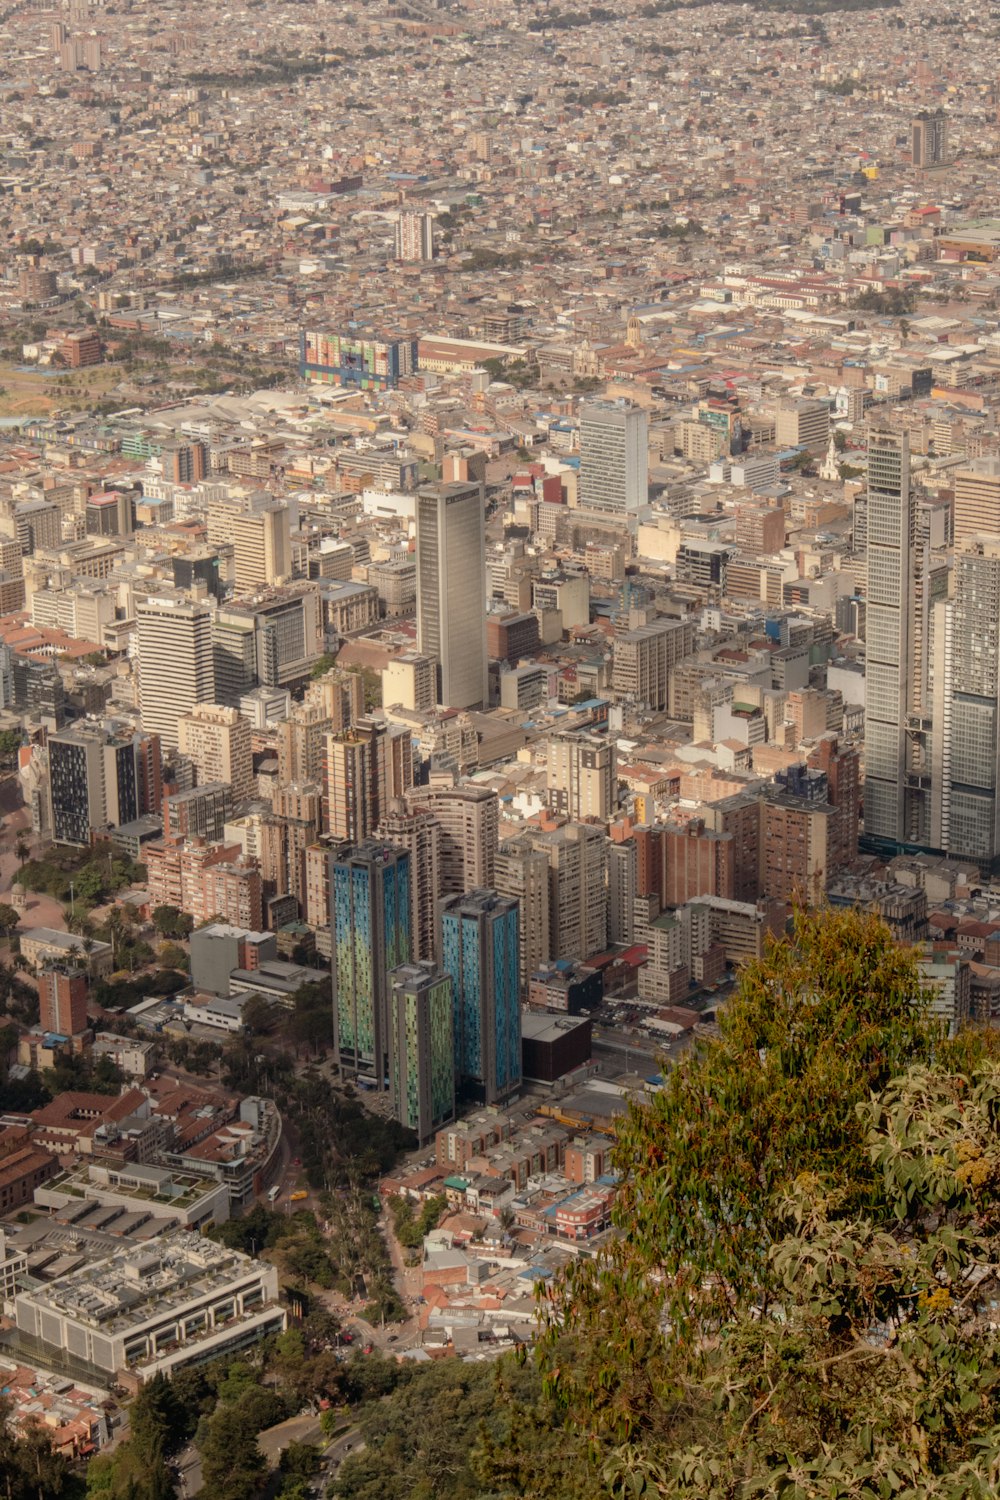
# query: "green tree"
{"type": "Point", "coordinates": [9, 918]}
{"type": "Point", "coordinates": [232, 1464]}
{"type": "Point", "coordinates": [796, 1305]}
{"type": "Point", "coordinates": [172, 956]}
{"type": "Point", "coordinates": [879, 1377]}
{"type": "Point", "coordinates": [422, 1438]}
{"type": "Point", "coordinates": [171, 922]}
{"type": "Point", "coordinates": [137, 1470]}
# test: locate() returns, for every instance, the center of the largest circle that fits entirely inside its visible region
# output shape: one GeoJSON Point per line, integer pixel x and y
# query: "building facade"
{"type": "Point", "coordinates": [370, 936]}
{"type": "Point", "coordinates": [372, 364]}
{"type": "Point", "coordinates": [217, 739]}
{"type": "Point", "coordinates": [451, 591]}
{"type": "Point", "coordinates": [175, 662]}
{"type": "Point", "coordinates": [423, 1049]}
{"type": "Point", "coordinates": [891, 523]}
{"type": "Point", "coordinates": [614, 459]}
{"type": "Point", "coordinates": [479, 950]}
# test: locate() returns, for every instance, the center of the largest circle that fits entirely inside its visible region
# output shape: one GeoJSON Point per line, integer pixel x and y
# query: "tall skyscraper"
{"type": "Point", "coordinates": [175, 661]}
{"type": "Point", "coordinates": [479, 950]}
{"type": "Point", "coordinates": [423, 1049]}
{"type": "Point", "coordinates": [929, 139]}
{"type": "Point", "coordinates": [966, 735]}
{"type": "Point", "coordinates": [415, 237]}
{"type": "Point", "coordinates": [451, 590]}
{"type": "Point", "coordinates": [217, 740]}
{"type": "Point", "coordinates": [891, 539]}
{"type": "Point", "coordinates": [370, 936]}
{"type": "Point", "coordinates": [614, 458]}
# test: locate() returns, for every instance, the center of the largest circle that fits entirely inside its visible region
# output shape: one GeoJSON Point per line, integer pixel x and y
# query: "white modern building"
{"type": "Point", "coordinates": [175, 662]}
{"type": "Point", "coordinates": [614, 458]}
{"type": "Point", "coordinates": [154, 1308]}
{"type": "Point", "coordinates": [891, 540]}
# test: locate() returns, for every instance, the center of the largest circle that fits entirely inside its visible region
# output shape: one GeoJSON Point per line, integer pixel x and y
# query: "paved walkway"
{"type": "Point", "coordinates": [40, 910]}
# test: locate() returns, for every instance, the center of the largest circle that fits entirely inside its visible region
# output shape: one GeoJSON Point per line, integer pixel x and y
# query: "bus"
{"type": "Point", "coordinates": [272, 1193]}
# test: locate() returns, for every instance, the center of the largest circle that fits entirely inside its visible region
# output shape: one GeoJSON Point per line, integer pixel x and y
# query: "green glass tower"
{"type": "Point", "coordinates": [423, 1049]}
{"type": "Point", "coordinates": [370, 918]}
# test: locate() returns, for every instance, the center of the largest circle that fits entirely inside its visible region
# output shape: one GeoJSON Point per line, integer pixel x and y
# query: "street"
{"type": "Point", "coordinates": [273, 1442]}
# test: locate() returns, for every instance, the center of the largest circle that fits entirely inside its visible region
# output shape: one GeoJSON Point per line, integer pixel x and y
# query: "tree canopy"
{"type": "Point", "coordinates": [799, 1303]}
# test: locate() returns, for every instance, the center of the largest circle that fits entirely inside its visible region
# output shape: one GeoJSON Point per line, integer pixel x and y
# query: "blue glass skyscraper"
{"type": "Point", "coordinates": [370, 920]}
{"type": "Point", "coordinates": [479, 949]}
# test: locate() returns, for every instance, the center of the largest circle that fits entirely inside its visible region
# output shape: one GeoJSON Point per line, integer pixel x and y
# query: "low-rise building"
{"type": "Point", "coordinates": [41, 945]}
{"type": "Point", "coordinates": [154, 1309]}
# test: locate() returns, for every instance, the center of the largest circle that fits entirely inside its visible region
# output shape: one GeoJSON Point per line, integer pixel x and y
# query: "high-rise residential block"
{"type": "Point", "coordinates": [802, 424]}
{"type": "Point", "coordinates": [261, 839]}
{"type": "Point", "coordinates": [302, 742]}
{"type": "Point", "coordinates": [810, 823]}
{"type": "Point", "coordinates": [409, 681]}
{"type": "Point", "coordinates": [423, 1049]}
{"type": "Point", "coordinates": [760, 529]}
{"type": "Point", "coordinates": [415, 237]}
{"type": "Point", "coordinates": [644, 658]}
{"type": "Point", "coordinates": [207, 880]}
{"type": "Point", "coordinates": [891, 519]}
{"type": "Point", "coordinates": [418, 831]}
{"type": "Point", "coordinates": [366, 768]}
{"type": "Point", "coordinates": [522, 875]}
{"type": "Point", "coordinates": [614, 458]}
{"type": "Point", "coordinates": [298, 807]}
{"type": "Point", "coordinates": [469, 819]}
{"type": "Point", "coordinates": [578, 897]}
{"type": "Point", "coordinates": [217, 741]}
{"type": "Point", "coordinates": [697, 861]}
{"type": "Point", "coordinates": [622, 869]}
{"type": "Point", "coordinates": [366, 361]}
{"type": "Point", "coordinates": [62, 999]}
{"type": "Point", "coordinates": [976, 507]}
{"type": "Point", "coordinates": [370, 936]}
{"type": "Point", "coordinates": [582, 775]}
{"type": "Point", "coordinates": [451, 590]}
{"type": "Point", "coordinates": [929, 139]}
{"type": "Point", "coordinates": [841, 765]}
{"type": "Point", "coordinates": [175, 662]}
{"type": "Point", "coordinates": [199, 812]}
{"type": "Point", "coordinates": [479, 950]}
{"type": "Point", "coordinates": [340, 693]}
